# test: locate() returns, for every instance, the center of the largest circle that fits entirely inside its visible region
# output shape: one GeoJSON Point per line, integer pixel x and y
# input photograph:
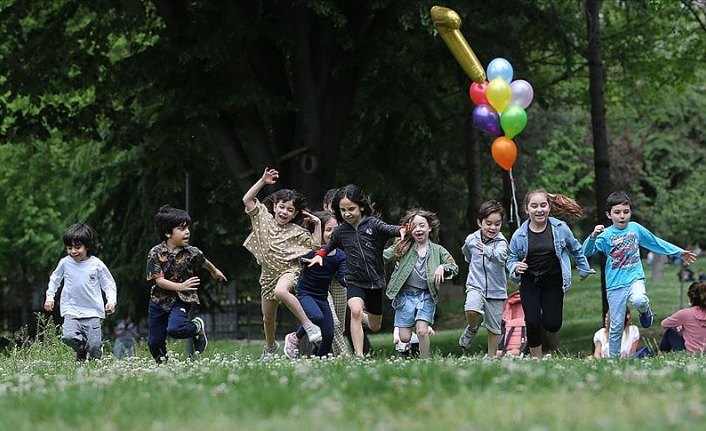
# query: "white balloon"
{"type": "Point", "coordinates": [522, 93]}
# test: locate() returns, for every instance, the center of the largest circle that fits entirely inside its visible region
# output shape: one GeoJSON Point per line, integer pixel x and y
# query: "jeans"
{"type": "Point", "coordinates": [174, 322]}
{"type": "Point", "coordinates": [319, 312]}
{"type": "Point", "coordinates": [672, 341]}
{"type": "Point", "coordinates": [617, 302]}
{"type": "Point", "coordinates": [543, 304]}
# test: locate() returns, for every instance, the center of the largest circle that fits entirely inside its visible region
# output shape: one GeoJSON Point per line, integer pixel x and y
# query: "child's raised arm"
{"type": "Point", "coordinates": [215, 272]}
{"type": "Point", "coordinates": [270, 176]}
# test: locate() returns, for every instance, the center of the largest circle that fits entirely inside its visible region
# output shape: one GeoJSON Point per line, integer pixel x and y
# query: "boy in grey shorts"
{"type": "Point", "coordinates": [485, 250]}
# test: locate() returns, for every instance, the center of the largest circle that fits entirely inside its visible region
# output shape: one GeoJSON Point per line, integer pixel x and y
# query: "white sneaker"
{"type": "Point", "coordinates": [466, 337]}
{"type": "Point", "coordinates": [291, 346]}
{"type": "Point", "coordinates": [313, 333]}
{"type": "Point", "coordinates": [269, 352]}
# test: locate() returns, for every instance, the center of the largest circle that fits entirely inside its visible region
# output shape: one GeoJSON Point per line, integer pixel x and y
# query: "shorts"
{"type": "Point", "coordinates": [413, 305]}
{"type": "Point", "coordinates": [372, 298]}
{"type": "Point", "coordinates": [268, 284]}
{"type": "Point", "coordinates": [491, 309]}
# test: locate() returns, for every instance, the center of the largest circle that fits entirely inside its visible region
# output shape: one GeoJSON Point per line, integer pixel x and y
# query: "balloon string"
{"type": "Point", "coordinates": [514, 212]}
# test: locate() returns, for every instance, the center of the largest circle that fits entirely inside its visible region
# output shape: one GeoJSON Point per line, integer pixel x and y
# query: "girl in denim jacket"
{"type": "Point", "coordinates": [539, 260]}
{"type": "Point", "coordinates": [420, 267]}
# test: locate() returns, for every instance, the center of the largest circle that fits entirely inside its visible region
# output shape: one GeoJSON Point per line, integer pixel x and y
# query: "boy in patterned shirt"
{"type": "Point", "coordinates": [173, 265]}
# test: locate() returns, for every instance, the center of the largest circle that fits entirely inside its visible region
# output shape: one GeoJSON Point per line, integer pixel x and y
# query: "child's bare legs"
{"type": "Point", "coordinates": [473, 318]}
{"type": "Point", "coordinates": [536, 352]}
{"type": "Point", "coordinates": [269, 313]}
{"type": "Point", "coordinates": [358, 319]}
{"type": "Point", "coordinates": [422, 330]}
{"type": "Point", "coordinates": [283, 292]}
{"type": "Point", "coordinates": [493, 341]}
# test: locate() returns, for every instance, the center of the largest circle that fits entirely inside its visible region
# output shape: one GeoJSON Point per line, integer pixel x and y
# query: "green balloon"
{"type": "Point", "coordinates": [513, 120]}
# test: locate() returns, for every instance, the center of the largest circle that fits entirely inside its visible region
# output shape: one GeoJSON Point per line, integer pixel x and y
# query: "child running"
{"type": "Point", "coordinates": [362, 236]}
{"type": "Point", "coordinates": [278, 241]}
{"type": "Point", "coordinates": [173, 265]}
{"type": "Point", "coordinates": [421, 265]}
{"type": "Point", "coordinates": [538, 258]}
{"type": "Point", "coordinates": [313, 293]}
{"type": "Point", "coordinates": [485, 250]}
{"type": "Point", "coordinates": [625, 277]}
{"type": "Point", "coordinates": [85, 279]}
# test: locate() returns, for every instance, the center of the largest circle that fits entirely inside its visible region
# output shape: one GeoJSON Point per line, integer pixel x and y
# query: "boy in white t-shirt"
{"type": "Point", "coordinates": [82, 307]}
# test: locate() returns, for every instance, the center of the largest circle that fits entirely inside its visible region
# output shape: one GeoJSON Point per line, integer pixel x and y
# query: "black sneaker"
{"type": "Point", "coordinates": [200, 340]}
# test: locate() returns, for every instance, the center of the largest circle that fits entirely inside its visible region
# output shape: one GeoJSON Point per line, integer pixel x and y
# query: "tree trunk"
{"type": "Point", "coordinates": [473, 178]}
{"type": "Point", "coordinates": [598, 120]}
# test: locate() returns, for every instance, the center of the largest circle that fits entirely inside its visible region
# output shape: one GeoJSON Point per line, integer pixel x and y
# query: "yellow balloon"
{"type": "Point", "coordinates": [447, 23]}
{"type": "Point", "coordinates": [498, 93]}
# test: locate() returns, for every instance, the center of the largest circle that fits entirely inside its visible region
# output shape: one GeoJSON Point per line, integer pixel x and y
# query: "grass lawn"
{"type": "Point", "coordinates": [228, 389]}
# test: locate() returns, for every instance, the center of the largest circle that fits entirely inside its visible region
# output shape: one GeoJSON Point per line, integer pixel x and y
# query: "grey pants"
{"type": "Point", "coordinates": [83, 334]}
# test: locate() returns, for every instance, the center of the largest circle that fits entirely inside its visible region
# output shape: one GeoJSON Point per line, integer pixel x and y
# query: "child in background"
{"type": "Point", "coordinates": [485, 250]}
{"type": "Point", "coordinates": [362, 236]}
{"type": "Point", "coordinates": [278, 241]}
{"type": "Point", "coordinates": [411, 348]}
{"type": "Point", "coordinates": [85, 279]}
{"type": "Point", "coordinates": [625, 277]}
{"type": "Point", "coordinates": [628, 347]}
{"type": "Point", "coordinates": [337, 301]}
{"type": "Point", "coordinates": [312, 293]}
{"type": "Point", "coordinates": [125, 336]}
{"type": "Point", "coordinates": [421, 265]}
{"type": "Point", "coordinates": [686, 329]}
{"type": "Point", "coordinates": [173, 265]}
{"type": "Point", "coordinates": [538, 259]}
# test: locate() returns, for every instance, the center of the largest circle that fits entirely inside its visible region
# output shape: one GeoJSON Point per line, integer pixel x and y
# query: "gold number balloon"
{"type": "Point", "coordinates": [447, 23]}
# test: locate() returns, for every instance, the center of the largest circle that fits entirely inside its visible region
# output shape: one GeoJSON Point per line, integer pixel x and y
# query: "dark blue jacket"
{"type": "Point", "coordinates": [315, 280]}
{"type": "Point", "coordinates": [363, 247]}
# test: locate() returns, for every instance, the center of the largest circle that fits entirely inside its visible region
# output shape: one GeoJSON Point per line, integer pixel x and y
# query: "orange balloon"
{"type": "Point", "coordinates": [504, 152]}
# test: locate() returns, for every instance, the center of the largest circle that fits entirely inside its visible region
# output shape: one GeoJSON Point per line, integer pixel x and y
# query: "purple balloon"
{"type": "Point", "coordinates": [486, 119]}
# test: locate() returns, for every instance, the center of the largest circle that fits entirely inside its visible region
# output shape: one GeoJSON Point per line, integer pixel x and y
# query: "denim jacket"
{"type": "Point", "coordinates": [564, 243]}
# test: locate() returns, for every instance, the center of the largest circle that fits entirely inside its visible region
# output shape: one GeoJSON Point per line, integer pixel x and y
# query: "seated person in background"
{"type": "Point", "coordinates": [407, 349]}
{"type": "Point", "coordinates": [686, 329]}
{"type": "Point", "coordinates": [628, 345]}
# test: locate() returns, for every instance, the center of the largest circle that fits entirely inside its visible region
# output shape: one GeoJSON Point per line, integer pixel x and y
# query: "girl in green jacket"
{"type": "Point", "coordinates": [421, 266]}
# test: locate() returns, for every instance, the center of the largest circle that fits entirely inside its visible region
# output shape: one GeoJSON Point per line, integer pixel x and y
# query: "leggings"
{"type": "Point", "coordinates": [543, 304]}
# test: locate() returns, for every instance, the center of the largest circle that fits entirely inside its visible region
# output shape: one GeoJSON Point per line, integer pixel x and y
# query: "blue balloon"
{"type": "Point", "coordinates": [500, 68]}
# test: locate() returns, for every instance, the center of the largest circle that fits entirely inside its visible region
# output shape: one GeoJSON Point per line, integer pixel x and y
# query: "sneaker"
{"type": "Point", "coordinates": [313, 332]}
{"type": "Point", "coordinates": [81, 356]}
{"type": "Point", "coordinates": [291, 346]}
{"type": "Point", "coordinates": [646, 318]}
{"type": "Point", "coordinates": [269, 352]}
{"type": "Point", "coordinates": [200, 340]}
{"type": "Point", "coordinates": [305, 347]}
{"type": "Point", "coordinates": [467, 337]}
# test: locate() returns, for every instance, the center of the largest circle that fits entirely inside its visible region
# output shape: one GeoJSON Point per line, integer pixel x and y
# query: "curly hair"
{"type": "Point", "coordinates": [560, 205]}
{"type": "Point", "coordinates": [285, 195]}
{"type": "Point", "coordinates": [403, 246]}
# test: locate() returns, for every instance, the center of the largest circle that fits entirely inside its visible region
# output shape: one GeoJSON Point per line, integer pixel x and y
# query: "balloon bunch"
{"type": "Point", "coordinates": [500, 101]}
{"type": "Point", "coordinates": [500, 109]}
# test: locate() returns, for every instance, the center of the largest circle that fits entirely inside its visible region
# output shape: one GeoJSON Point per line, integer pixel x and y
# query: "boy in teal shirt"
{"type": "Point", "coordinates": [625, 277]}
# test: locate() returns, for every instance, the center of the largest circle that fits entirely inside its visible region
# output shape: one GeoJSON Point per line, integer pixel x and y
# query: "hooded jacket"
{"type": "Point", "coordinates": [693, 323]}
{"type": "Point", "coordinates": [486, 271]}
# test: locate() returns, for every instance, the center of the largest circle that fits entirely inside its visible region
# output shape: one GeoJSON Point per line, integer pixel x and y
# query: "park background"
{"type": "Point", "coordinates": [111, 109]}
